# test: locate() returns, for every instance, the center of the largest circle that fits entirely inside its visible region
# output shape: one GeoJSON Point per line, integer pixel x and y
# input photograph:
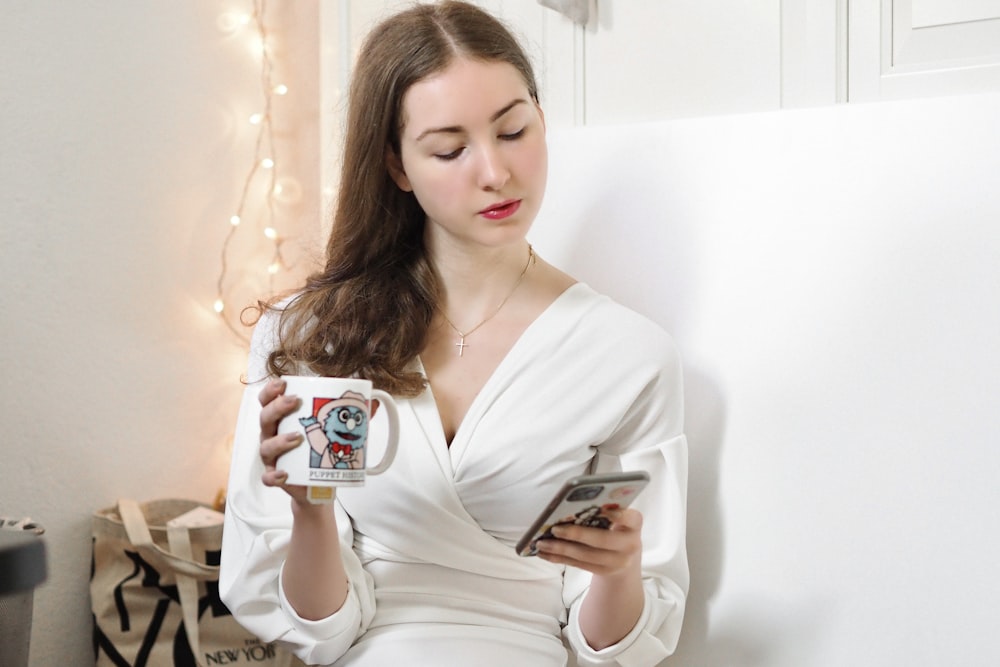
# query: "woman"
{"type": "Point", "coordinates": [511, 377]}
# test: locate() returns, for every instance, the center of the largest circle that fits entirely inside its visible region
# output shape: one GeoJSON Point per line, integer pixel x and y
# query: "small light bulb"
{"type": "Point", "coordinates": [219, 306]}
{"type": "Point", "coordinates": [255, 45]}
{"type": "Point", "coordinates": [234, 221]}
{"type": "Point", "coordinates": [270, 233]}
{"type": "Point", "coordinates": [267, 163]}
{"type": "Point", "coordinates": [280, 89]}
{"type": "Point", "coordinates": [256, 119]}
{"type": "Point", "coordinates": [230, 22]}
{"type": "Point", "coordinates": [287, 190]}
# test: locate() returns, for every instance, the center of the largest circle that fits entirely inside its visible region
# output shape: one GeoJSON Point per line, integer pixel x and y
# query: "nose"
{"type": "Point", "coordinates": [493, 172]}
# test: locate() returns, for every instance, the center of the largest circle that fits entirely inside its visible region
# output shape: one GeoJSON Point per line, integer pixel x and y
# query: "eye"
{"type": "Point", "coordinates": [512, 136]}
{"type": "Point", "coordinates": [344, 415]}
{"type": "Point", "coordinates": [446, 157]}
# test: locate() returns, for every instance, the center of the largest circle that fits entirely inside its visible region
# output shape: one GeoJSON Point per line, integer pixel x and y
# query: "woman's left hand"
{"type": "Point", "coordinates": [601, 551]}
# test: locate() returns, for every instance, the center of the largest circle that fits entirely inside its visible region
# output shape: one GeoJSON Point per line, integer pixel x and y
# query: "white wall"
{"type": "Point", "coordinates": [124, 149]}
{"type": "Point", "coordinates": [831, 276]}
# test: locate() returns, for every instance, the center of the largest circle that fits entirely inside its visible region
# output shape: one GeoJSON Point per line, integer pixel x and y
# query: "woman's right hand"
{"type": "Point", "coordinates": [274, 407]}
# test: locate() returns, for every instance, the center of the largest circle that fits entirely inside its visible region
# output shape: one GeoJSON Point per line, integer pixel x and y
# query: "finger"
{"type": "Point", "coordinates": [616, 538]}
{"type": "Point", "coordinates": [274, 411]}
{"type": "Point", "coordinates": [598, 549]}
{"type": "Point", "coordinates": [627, 519]}
{"type": "Point", "coordinates": [596, 561]}
{"type": "Point", "coordinates": [274, 477]}
{"type": "Point", "coordinates": [278, 479]}
{"type": "Point", "coordinates": [272, 448]}
{"type": "Point", "coordinates": [271, 390]}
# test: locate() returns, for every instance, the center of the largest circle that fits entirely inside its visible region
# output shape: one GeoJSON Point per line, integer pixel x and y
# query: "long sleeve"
{"type": "Point", "coordinates": [649, 437]}
{"type": "Point", "coordinates": [255, 542]}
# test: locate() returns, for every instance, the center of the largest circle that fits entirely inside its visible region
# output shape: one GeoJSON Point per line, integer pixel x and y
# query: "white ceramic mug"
{"type": "Point", "coordinates": [333, 418]}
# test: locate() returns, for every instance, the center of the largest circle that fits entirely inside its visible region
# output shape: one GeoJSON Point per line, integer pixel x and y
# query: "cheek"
{"type": "Point", "coordinates": [435, 188]}
{"type": "Point", "coordinates": [534, 164]}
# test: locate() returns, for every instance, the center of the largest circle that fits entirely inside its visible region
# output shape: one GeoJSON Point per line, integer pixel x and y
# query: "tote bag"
{"type": "Point", "coordinates": [154, 591]}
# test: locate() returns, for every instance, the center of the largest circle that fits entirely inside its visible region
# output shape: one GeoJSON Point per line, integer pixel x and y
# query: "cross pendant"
{"type": "Point", "coordinates": [461, 346]}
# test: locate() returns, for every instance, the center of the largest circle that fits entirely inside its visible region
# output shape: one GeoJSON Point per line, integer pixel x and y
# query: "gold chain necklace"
{"type": "Point", "coordinates": [461, 344]}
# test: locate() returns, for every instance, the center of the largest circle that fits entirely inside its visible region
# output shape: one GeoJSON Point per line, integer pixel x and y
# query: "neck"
{"type": "Point", "coordinates": [474, 285]}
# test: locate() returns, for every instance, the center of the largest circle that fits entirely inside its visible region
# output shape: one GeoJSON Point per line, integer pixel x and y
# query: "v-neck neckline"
{"type": "Point", "coordinates": [453, 451]}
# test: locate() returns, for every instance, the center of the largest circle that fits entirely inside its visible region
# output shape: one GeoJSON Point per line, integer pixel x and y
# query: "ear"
{"type": "Point", "coordinates": [395, 166]}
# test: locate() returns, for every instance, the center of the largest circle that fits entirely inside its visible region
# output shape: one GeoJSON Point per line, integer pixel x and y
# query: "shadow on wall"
{"type": "Point", "coordinates": [704, 415]}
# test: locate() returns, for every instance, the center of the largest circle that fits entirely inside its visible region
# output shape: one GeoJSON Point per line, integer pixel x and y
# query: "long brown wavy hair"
{"type": "Point", "coordinates": [367, 312]}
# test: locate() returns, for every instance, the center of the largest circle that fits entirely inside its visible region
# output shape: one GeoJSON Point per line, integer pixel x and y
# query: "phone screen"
{"type": "Point", "coordinates": [583, 501]}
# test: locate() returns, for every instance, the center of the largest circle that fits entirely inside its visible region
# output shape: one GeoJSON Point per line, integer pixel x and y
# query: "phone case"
{"type": "Point", "coordinates": [581, 501]}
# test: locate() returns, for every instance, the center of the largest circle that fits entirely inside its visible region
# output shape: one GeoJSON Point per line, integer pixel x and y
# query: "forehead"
{"type": "Point", "coordinates": [465, 93]}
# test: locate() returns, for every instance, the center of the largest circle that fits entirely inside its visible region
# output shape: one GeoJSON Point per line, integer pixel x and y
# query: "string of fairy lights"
{"type": "Point", "coordinates": [263, 174]}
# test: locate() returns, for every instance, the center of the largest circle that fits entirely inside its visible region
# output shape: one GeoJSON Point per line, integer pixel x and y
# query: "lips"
{"type": "Point", "coordinates": [501, 210]}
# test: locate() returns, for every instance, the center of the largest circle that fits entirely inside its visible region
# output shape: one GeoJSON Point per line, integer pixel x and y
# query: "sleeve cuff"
{"type": "Point", "coordinates": [328, 637]}
{"type": "Point", "coordinates": [639, 648]}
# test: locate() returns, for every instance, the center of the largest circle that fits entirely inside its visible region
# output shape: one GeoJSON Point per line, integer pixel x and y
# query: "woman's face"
{"type": "Point", "coordinates": [472, 151]}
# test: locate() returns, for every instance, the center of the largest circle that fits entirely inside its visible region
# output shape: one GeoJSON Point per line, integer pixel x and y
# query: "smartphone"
{"type": "Point", "coordinates": [582, 501]}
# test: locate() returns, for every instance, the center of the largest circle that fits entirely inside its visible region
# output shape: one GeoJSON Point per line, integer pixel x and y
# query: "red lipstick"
{"type": "Point", "coordinates": [501, 210]}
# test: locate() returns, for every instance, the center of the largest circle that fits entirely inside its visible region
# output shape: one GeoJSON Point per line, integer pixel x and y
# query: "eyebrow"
{"type": "Point", "coordinates": [456, 129]}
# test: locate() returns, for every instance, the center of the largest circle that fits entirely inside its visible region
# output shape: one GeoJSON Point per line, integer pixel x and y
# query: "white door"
{"type": "Point", "coordinates": [922, 48]}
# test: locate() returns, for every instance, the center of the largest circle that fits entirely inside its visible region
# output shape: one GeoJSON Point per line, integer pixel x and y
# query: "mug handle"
{"type": "Point", "coordinates": [392, 441]}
